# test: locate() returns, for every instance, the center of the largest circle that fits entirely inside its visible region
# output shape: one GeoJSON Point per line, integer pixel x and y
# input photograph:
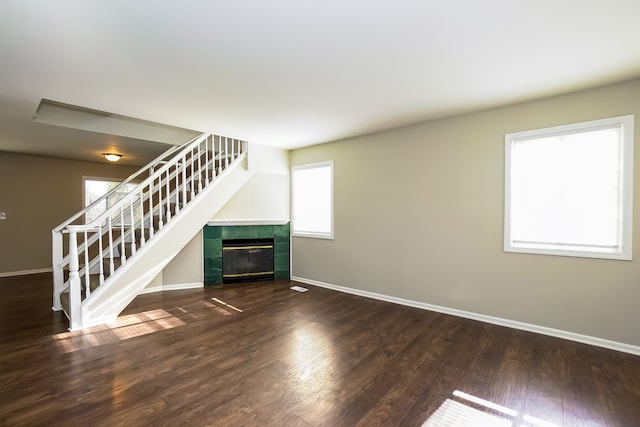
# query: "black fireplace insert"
{"type": "Point", "coordinates": [247, 260]}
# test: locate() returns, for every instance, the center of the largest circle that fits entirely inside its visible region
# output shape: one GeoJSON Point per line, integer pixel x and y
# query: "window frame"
{"type": "Point", "coordinates": [108, 202]}
{"type": "Point", "coordinates": [302, 233]}
{"type": "Point", "coordinates": [625, 225]}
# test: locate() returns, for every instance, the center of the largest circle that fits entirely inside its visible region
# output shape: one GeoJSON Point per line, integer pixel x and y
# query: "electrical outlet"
{"type": "Point", "coordinates": [3, 215]}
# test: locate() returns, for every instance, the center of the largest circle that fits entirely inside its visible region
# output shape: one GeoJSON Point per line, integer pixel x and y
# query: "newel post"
{"type": "Point", "coordinates": [58, 272]}
{"type": "Point", "coordinates": [75, 302]}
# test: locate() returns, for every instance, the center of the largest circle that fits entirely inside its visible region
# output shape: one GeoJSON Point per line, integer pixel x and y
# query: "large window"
{"type": "Point", "coordinates": [568, 189]}
{"type": "Point", "coordinates": [312, 200]}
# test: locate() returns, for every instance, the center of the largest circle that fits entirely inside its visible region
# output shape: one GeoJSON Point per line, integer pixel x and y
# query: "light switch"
{"type": "Point", "coordinates": [3, 215]}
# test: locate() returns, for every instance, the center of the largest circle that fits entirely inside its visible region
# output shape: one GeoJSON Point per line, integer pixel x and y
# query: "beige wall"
{"type": "Point", "coordinates": [419, 215]}
{"type": "Point", "coordinates": [39, 193]}
{"type": "Point", "coordinates": [266, 195]}
{"type": "Point", "coordinates": [185, 269]}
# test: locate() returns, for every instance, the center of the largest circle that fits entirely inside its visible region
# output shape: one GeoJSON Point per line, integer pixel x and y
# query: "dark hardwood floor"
{"type": "Point", "coordinates": [264, 355]}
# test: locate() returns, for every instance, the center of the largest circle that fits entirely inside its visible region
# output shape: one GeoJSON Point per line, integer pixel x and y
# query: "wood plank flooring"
{"type": "Point", "coordinates": [264, 355]}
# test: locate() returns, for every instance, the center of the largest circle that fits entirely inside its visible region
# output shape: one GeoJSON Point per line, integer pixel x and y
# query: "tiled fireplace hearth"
{"type": "Point", "coordinates": [215, 232]}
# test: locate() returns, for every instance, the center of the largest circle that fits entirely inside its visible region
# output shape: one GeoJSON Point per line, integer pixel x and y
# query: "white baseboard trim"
{"type": "Point", "coordinates": [543, 330]}
{"type": "Point", "coordinates": [182, 286]}
{"type": "Point", "coordinates": [26, 272]}
{"type": "Point", "coordinates": [177, 287]}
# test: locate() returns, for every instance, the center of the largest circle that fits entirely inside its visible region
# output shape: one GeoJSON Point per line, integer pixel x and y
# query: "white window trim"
{"type": "Point", "coordinates": [626, 232]}
{"type": "Point", "coordinates": [304, 233]}
{"type": "Point", "coordinates": [98, 178]}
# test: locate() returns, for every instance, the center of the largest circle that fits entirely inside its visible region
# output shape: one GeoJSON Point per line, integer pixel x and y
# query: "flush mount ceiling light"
{"type": "Point", "coordinates": [112, 157]}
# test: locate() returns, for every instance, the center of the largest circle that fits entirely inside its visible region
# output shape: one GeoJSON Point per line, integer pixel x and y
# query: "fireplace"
{"type": "Point", "coordinates": [215, 232]}
{"type": "Point", "coordinates": [247, 260]}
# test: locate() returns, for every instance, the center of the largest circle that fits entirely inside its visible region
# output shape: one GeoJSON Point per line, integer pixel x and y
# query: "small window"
{"type": "Point", "coordinates": [568, 190]}
{"type": "Point", "coordinates": [312, 200]}
{"type": "Point", "coordinates": [95, 188]}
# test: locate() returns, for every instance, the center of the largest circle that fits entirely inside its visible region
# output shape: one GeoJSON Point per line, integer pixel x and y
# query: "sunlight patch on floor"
{"type": "Point", "coordinates": [124, 327]}
{"type": "Point", "coordinates": [226, 305]}
{"type": "Point", "coordinates": [452, 413]}
{"type": "Point", "coordinates": [485, 403]}
{"type": "Point", "coordinates": [311, 357]}
{"type": "Point", "coordinates": [466, 410]}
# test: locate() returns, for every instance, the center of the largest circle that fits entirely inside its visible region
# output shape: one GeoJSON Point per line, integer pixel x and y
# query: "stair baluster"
{"type": "Point", "coordinates": [112, 266]}
{"type": "Point", "coordinates": [87, 279]}
{"type": "Point", "coordinates": [206, 160]}
{"type": "Point", "coordinates": [168, 193]}
{"type": "Point", "coordinates": [123, 255]}
{"type": "Point", "coordinates": [151, 227]}
{"type": "Point", "coordinates": [219, 155]}
{"type": "Point", "coordinates": [143, 240]}
{"type": "Point", "coordinates": [100, 256]}
{"type": "Point", "coordinates": [160, 203]}
{"type": "Point", "coordinates": [132, 228]}
{"type": "Point", "coordinates": [226, 152]}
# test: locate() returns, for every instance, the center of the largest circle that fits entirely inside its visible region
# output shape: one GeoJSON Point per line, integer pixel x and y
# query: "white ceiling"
{"type": "Point", "coordinates": [291, 73]}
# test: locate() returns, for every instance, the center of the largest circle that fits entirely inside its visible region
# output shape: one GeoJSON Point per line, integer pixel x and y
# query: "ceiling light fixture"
{"type": "Point", "coordinates": [112, 157]}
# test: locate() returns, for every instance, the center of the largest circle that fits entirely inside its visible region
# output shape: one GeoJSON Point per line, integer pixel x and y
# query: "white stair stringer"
{"type": "Point", "coordinates": [107, 302]}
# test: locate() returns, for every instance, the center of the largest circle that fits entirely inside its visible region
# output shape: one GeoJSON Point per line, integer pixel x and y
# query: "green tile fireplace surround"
{"type": "Point", "coordinates": [213, 235]}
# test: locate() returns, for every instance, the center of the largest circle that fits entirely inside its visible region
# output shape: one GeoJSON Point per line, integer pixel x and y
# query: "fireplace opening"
{"type": "Point", "coordinates": [247, 260]}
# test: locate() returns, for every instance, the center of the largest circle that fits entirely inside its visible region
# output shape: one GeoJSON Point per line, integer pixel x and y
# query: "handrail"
{"type": "Point", "coordinates": [60, 260]}
{"type": "Point", "coordinates": [124, 200]}
{"type": "Point", "coordinates": [129, 179]}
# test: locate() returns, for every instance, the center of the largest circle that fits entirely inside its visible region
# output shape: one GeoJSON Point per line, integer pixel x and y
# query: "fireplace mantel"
{"type": "Point", "coordinates": [233, 222]}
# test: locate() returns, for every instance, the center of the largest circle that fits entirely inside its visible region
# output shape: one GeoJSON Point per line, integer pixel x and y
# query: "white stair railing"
{"type": "Point", "coordinates": [94, 251]}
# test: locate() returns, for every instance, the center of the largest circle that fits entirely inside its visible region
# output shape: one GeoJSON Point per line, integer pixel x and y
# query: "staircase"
{"type": "Point", "coordinates": [101, 266]}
